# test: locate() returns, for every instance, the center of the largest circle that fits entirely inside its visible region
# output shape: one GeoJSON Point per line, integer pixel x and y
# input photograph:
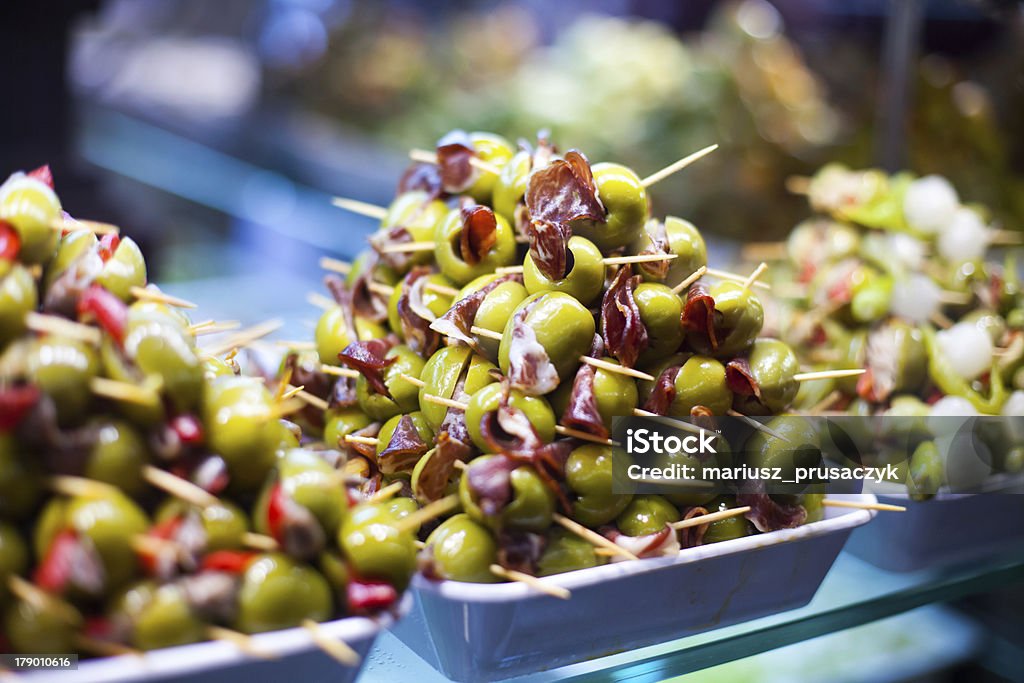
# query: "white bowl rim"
{"type": "Point", "coordinates": [836, 520]}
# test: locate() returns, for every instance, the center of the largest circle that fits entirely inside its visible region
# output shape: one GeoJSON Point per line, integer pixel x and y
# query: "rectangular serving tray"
{"type": "Point", "coordinates": [948, 529]}
{"type": "Point", "coordinates": [296, 658]}
{"type": "Point", "coordinates": [480, 632]}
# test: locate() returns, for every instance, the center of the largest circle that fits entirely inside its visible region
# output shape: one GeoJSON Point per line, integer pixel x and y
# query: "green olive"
{"type": "Point", "coordinates": [463, 550]}
{"type": "Point", "coordinates": [108, 523]}
{"type": "Point", "coordinates": [144, 312]}
{"type": "Point", "coordinates": [118, 456]}
{"type": "Point", "coordinates": [404, 395]}
{"type": "Point", "coordinates": [449, 256]}
{"type": "Point", "coordinates": [590, 475]}
{"type": "Point", "coordinates": [739, 317]}
{"type": "Point", "coordinates": [496, 151]}
{"type": "Point", "coordinates": [308, 480]}
{"type": "Point", "coordinates": [17, 297]}
{"type": "Point", "coordinates": [812, 502]}
{"type": "Point", "coordinates": [725, 529]}
{"type": "Point", "coordinates": [906, 344]}
{"type": "Point", "coordinates": [793, 442]}
{"type": "Point", "coordinates": [561, 325]}
{"type": "Point", "coordinates": [584, 280]}
{"type": "Point", "coordinates": [160, 616]}
{"type": "Point", "coordinates": [63, 369]}
{"type": "Point", "coordinates": [530, 509]}
{"type": "Point", "coordinates": [511, 185]}
{"type": "Point", "coordinates": [871, 299]}
{"type": "Point", "coordinates": [224, 524]}
{"type": "Point", "coordinates": [71, 247]}
{"type": "Point", "coordinates": [277, 593]}
{"type": "Point", "coordinates": [332, 334]}
{"type": "Point", "coordinates": [701, 382]}
{"type": "Point", "coordinates": [124, 270]}
{"type": "Point", "coordinates": [646, 515]}
{"type": "Point", "coordinates": [419, 215]}
{"type": "Point", "coordinates": [616, 393]}
{"type": "Point", "coordinates": [369, 260]}
{"type": "Point", "coordinates": [927, 471]}
{"type": "Point", "coordinates": [440, 375]}
{"type": "Point", "coordinates": [684, 241]}
{"type": "Point", "coordinates": [495, 309]}
{"type": "Point", "coordinates": [626, 206]}
{"type": "Point", "coordinates": [387, 431]}
{"type": "Point", "coordinates": [167, 353]}
{"type": "Point", "coordinates": [340, 422]}
{"type": "Point", "coordinates": [438, 304]}
{"type": "Point", "coordinates": [661, 311]}
{"type": "Point", "coordinates": [241, 428]}
{"type": "Point", "coordinates": [375, 547]}
{"type": "Point", "coordinates": [31, 207]}
{"type": "Point", "coordinates": [773, 365]}
{"type": "Point", "coordinates": [488, 399]}
{"type": "Point", "coordinates": [566, 552]}
{"type": "Point", "coordinates": [40, 630]}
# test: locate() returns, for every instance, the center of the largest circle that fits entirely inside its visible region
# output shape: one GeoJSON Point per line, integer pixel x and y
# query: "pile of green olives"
{"type": "Point", "coordinates": [471, 377]}
{"type": "Point", "coordinates": [151, 492]}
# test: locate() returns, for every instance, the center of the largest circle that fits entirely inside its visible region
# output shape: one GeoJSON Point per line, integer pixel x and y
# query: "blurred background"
{"type": "Point", "coordinates": [215, 133]}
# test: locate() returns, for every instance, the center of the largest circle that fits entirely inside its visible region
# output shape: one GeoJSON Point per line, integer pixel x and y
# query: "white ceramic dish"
{"type": "Point", "coordinates": [474, 632]}
{"type": "Point", "coordinates": [949, 529]}
{"type": "Point", "coordinates": [297, 658]}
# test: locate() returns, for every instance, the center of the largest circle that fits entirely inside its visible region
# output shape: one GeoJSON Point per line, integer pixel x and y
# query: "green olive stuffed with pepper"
{"type": "Point", "coordinates": [559, 324]}
{"type": "Point", "coordinates": [463, 254]}
{"type": "Point", "coordinates": [584, 279]}
{"type": "Point", "coordinates": [487, 401]}
{"type": "Point", "coordinates": [531, 506]}
{"type": "Point", "coordinates": [404, 396]}
{"type": "Point", "coordinates": [277, 593]}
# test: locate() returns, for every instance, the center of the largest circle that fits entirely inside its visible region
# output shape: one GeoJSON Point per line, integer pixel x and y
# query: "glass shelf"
{"type": "Point", "coordinates": [853, 593]}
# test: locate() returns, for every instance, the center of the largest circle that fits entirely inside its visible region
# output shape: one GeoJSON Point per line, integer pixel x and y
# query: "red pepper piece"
{"type": "Point", "coordinates": [276, 511]}
{"type": "Point", "coordinates": [165, 530]}
{"type": "Point", "coordinates": [231, 561]}
{"type": "Point", "coordinates": [366, 597]}
{"type": "Point", "coordinates": [188, 428]}
{"type": "Point", "coordinates": [10, 243]}
{"type": "Point", "coordinates": [15, 402]}
{"type": "Point", "coordinates": [109, 311]}
{"type": "Point", "coordinates": [44, 174]}
{"type": "Point", "coordinates": [108, 245]}
{"type": "Point", "coordinates": [54, 572]}
{"type": "Point", "coordinates": [99, 628]}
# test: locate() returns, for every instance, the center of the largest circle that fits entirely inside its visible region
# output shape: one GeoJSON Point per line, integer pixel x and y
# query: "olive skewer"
{"type": "Point", "coordinates": [427, 157]}
{"type": "Point", "coordinates": [151, 293]}
{"type": "Point", "coordinates": [596, 362]}
{"type": "Point", "coordinates": [54, 324]}
{"type": "Point", "coordinates": [564, 431]}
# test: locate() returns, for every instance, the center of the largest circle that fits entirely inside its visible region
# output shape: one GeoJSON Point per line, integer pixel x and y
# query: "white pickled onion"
{"type": "Point", "coordinates": [915, 299]}
{"type": "Point", "coordinates": [967, 348]}
{"type": "Point", "coordinates": [1014, 405]}
{"type": "Point", "coordinates": [953, 406]}
{"type": "Point", "coordinates": [929, 203]}
{"type": "Point", "coordinates": [965, 238]}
